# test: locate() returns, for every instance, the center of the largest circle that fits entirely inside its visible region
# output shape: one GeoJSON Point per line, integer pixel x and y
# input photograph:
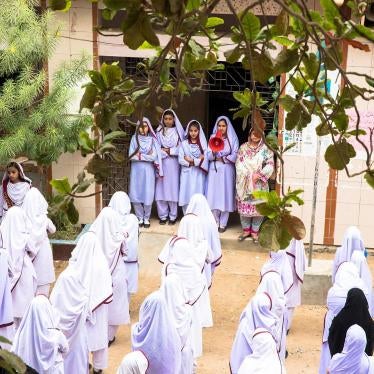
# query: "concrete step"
{"type": "Point", "coordinates": [229, 239]}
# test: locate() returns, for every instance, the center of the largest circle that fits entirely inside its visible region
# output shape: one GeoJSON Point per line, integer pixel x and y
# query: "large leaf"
{"type": "Point", "coordinates": [330, 10]}
{"type": "Point", "coordinates": [287, 102]}
{"type": "Point", "coordinates": [294, 226]}
{"type": "Point", "coordinates": [214, 21]}
{"type": "Point", "coordinates": [285, 61]}
{"type": "Point", "coordinates": [114, 135]}
{"type": "Point", "coordinates": [89, 97]}
{"type": "Point", "coordinates": [273, 236]}
{"type": "Point", "coordinates": [251, 26]}
{"type": "Point", "coordinates": [98, 80]}
{"type": "Point", "coordinates": [126, 108]}
{"type": "Point", "coordinates": [99, 168]}
{"type": "Point", "coordinates": [83, 185]}
{"type": "Point", "coordinates": [5, 340]}
{"type": "Point", "coordinates": [262, 66]}
{"type": "Point", "coordinates": [281, 24]}
{"type": "Point", "coordinates": [341, 121]}
{"type": "Point", "coordinates": [298, 118]}
{"type": "Point", "coordinates": [311, 65]}
{"type": "Point", "coordinates": [86, 144]}
{"type": "Point", "coordinates": [267, 211]}
{"type": "Point", "coordinates": [147, 31]}
{"type": "Point", "coordinates": [119, 4]}
{"type": "Point", "coordinates": [11, 362]}
{"type": "Point", "coordinates": [112, 74]}
{"type": "Point", "coordinates": [72, 212]}
{"type": "Point", "coordinates": [339, 155]}
{"type": "Point", "coordinates": [369, 177]}
{"type": "Point", "coordinates": [63, 5]}
{"type": "Point", "coordinates": [233, 55]}
{"type": "Point", "coordinates": [62, 186]}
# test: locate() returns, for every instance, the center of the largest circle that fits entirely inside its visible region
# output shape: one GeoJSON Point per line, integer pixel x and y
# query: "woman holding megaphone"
{"type": "Point", "coordinates": [220, 191]}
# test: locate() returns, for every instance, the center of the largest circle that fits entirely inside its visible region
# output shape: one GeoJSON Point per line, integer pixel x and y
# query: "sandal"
{"type": "Point", "coordinates": [243, 237]}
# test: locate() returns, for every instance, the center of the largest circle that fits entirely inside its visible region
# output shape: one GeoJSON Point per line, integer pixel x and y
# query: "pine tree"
{"type": "Point", "coordinates": [32, 124]}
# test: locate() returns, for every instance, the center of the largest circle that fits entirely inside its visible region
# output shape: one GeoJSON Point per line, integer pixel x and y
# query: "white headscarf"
{"type": "Point", "coordinates": [353, 359]}
{"type": "Point", "coordinates": [70, 298]}
{"type": "Point", "coordinates": [199, 205]}
{"type": "Point", "coordinates": [347, 277]}
{"type": "Point", "coordinates": [279, 263]}
{"type": "Point", "coordinates": [133, 363]}
{"type": "Point", "coordinates": [265, 358]}
{"type": "Point", "coordinates": [88, 260]}
{"type": "Point", "coordinates": [177, 122]}
{"type": "Point", "coordinates": [352, 242]}
{"type": "Point", "coordinates": [191, 228]}
{"type": "Point", "coordinates": [156, 337]}
{"type": "Point", "coordinates": [36, 209]}
{"type": "Point", "coordinates": [358, 258]}
{"type": "Point", "coordinates": [38, 341]}
{"type": "Point", "coordinates": [231, 134]}
{"type": "Point", "coordinates": [14, 234]}
{"type": "Point", "coordinates": [297, 251]}
{"type": "Point", "coordinates": [109, 233]}
{"type": "Point", "coordinates": [16, 191]}
{"type": "Point", "coordinates": [182, 263]}
{"type": "Point", "coordinates": [257, 314]}
{"type": "Point", "coordinates": [6, 305]}
{"type": "Point", "coordinates": [271, 283]}
{"type": "Point", "coordinates": [176, 299]}
{"type": "Point", "coordinates": [120, 202]}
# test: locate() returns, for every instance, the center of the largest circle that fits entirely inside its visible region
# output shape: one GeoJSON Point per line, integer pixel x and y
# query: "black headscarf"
{"type": "Point", "coordinates": [355, 311]}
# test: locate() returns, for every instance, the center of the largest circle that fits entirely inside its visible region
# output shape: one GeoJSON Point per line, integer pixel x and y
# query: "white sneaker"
{"type": "Point", "coordinates": [146, 222]}
{"type": "Point", "coordinates": [140, 222]}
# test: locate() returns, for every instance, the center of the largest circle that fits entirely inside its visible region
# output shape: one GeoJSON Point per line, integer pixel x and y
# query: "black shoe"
{"type": "Point", "coordinates": [222, 229]}
{"type": "Point", "coordinates": [141, 224]}
{"type": "Point", "coordinates": [163, 221]}
{"type": "Point", "coordinates": [286, 355]}
{"type": "Point", "coordinates": [97, 371]}
{"type": "Point", "coordinates": [111, 342]}
{"type": "Point", "coordinates": [147, 225]}
{"type": "Point", "coordinates": [172, 222]}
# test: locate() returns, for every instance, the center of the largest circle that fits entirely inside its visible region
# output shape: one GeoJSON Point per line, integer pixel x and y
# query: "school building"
{"type": "Point", "coordinates": [341, 201]}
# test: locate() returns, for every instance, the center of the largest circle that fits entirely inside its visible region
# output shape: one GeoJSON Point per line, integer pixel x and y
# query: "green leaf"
{"type": "Point", "coordinates": [233, 55]}
{"type": "Point", "coordinates": [83, 186]}
{"type": "Point", "coordinates": [89, 97]}
{"type": "Point", "coordinates": [251, 26]}
{"type": "Point", "coordinates": [63, 5]}
{"type": "Point", "coordinates": [242, 113]}
{"type": "Point", "coordinates": [339, 155]}
{"type": "Point", "coordinates": [273, 236]}
{"type": "Point", "coordinates": [99, 168]}
{"type": "Point", "coordinates": [127, 84]}
{"type": "Point", "coordinates": [294, 226]}
{"type": "Point", "coordinates": [369, 177]}
{"type": "Point", "coordinates": [86, 143]}
{"type": "Point", "coordinates": [12, 361]}
{"type": "Point", "coordinates": [281, 24]}
{"type": "Point", "coordinates": [165, 72]}
{"type": "Point", "coordinates": [356, 132]}
{"type": "Point", "coordinates": [262, 65]}
{"type": "Point", "coordinates": [323, 129]}
{"type": "Point", "coordinates": [298, 84]}
{"type": "Point", "coordinates": [285, 61]}
{"type": "Point", "coordinates": [267, 211]}
{"type": "Point", "coordinates": [298, 118]}
{"type": "Point", "coordinates": [114, 135]}
{"type": "Point", "coordinates": [196, 48]}
{"type": "Point", "coordinates": [62, 186]}
{"type": "Point", "coordinates": [116, 4]}
{"type": "Point", "coordinates": [288, 147]}
{"type": "Point", "coordinates": [5, 340]}
{"type": "Point", "coordinates": [136, 95]}
{"type": "Point", "coordinates": [127, 108]}
{"type": "Point", "coordinates": [98, 80]}
{"type": "Point", "coordinates": [244, 97]}
{"type": "Point", "coordinates": [330, 10]}
{"type": "Point", "coordinates": [370, 81]}
{"type": "Point", "coordinates": [106, 147]}
{"type": "Point", "coordinates": [72, 212]}
{"type": "Point", "coordinates": [365, 31]}
{"type": "Point", "coordinates": [311, 65]}
{"type": "Point", "coordinates": [148, 32]}
{"type": "Point", "coordinates": [283, 40]}
{"type": "Point", "coordinates": [341, 121]}
{"type": "Point", "coordinates": [132, 31]}
{"type": "Point", "coordinates": [287, 102]}
{"type": "Point", "coordinates": [272, 139]}
{"type": "Point", "coordinates": [112, 74]}
{"type": "Point", "coordinates": [108, 14]}
{"type": "Point", "coordinates": [214, 21]}
{"type": "Point", "coordinates": [192, 5]}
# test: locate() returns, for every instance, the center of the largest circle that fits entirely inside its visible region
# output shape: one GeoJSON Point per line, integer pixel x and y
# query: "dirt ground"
{"type": "Point", "coordinates": [235, 281]}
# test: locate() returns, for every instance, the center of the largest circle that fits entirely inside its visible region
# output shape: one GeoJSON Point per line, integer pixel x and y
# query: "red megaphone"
{"type": "Point", "coordinates": [216, 143]}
